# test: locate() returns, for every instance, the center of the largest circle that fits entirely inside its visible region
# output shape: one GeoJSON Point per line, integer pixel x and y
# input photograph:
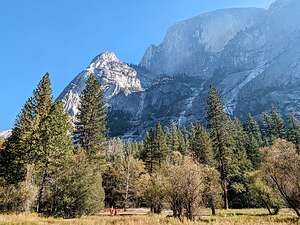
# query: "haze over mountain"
{"type": "Point", "coordinates": [252, 55]}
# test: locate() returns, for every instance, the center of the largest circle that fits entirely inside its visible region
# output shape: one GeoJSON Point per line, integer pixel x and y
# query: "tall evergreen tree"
{"type": "Point", "coordinates": [293, 132]}
{"type": "Point", "coordinates": [219, 126]}
{"type": "Point", "coordinates": [43, 99]}
{"type": "Point", "coordinates": [149, 153]}
{"type": "Point", "coordinates": [161, 143]}
{"type": "Point", "coordinates": [254, 141]}
{"type": "Point", "coordinates": [173, 140]}
{"type": "Point", "coordinates": [18, 147]}
{"type": "Point", "coordinates": [274, 126]}
{"type": "Point", "coordinates": [182, 143]}
{"type": "Point", "coordinates": [155, 149]}
{"type": "Point", "coordinates": [55, 147]}
{"type": "Point", "coordinates": [239, 167]}
{"type": "Point", "coordinates": [91, 126]}
{"type": "Point", "coordinates": [201, 146]}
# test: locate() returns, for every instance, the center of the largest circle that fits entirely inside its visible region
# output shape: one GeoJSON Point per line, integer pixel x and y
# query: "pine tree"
{"type": "Point", "coordinates": [91, 126]}
{"type": "Point", "coordinates": [239, 167]}
{"type": "Point", "coordinates": [42, 99]}
{"type": "Point", "coordinates": [293, 132]}
{"type": "Point", "coordinates": [173, 139]}
{"type": "Point", "coordinates": [240, 141]}
{"type": "Point", "coordinates": [161, 143]}
{"type": "Point", "coordinates": [219, 126]}
{"type": "Point", "coordinates": [149, 154]}
{"type": "Point", "coordinates": [55, 147]}
{"type": "Point", "coordinates": [18, 147]}
{"type": "Point", "coordinates": [254, 141]}
{"type": "Point", "coordinates": [274, 127]}
{"type": "Point", "coordinates": [201, 146]}
{"type": "Point", "coordinates": [182, 145]}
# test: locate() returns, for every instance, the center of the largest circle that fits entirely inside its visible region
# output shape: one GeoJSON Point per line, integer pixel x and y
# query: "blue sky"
{"type": "Point", "coordinates": [62, 36]}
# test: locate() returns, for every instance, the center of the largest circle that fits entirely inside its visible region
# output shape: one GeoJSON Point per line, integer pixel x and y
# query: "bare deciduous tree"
{"type": "Point", "coordinates": [281, 171]}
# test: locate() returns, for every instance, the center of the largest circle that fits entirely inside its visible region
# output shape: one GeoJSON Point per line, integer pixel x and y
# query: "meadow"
{"type": "Point", "coordinates": [138, 217]}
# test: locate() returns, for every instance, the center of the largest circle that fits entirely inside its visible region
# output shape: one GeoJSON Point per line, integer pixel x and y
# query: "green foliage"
{"type": "Point", "coordinates": [76, 190]}
{"type": "Point", "coordinates": [111, 184]}
{"type": "Point", "coordinates": [64, 184]}
{"type": "Point", "coordinates": [182, 142]}
{"type": "Point", "coordinates": [262, 195]}
{"type": "Point", "coordinates": [18, 197]}
{"type": "Point", "coordinates": [149, 154]}
{"type": "Point", "coordinates": [274, 126]}
{"type": "Point", "coordinates": [219, 128]}
{"type": "Point", "coordinates": [120, 177]}
{"type": "Point", "coordinates": [173, 139]}
{"type": "Point", "coordinates": [91, 125]}
{"type": "Point", "coordinates": [253, 141]}
{"type": "Point", "coordinates": [293, 132]}
{"type": "Point", "coordinates": [42, 99]}
{"type": "Point", "coordinates": [151, 189]}
{"type": "Point", "coordinates": [239, 166]}
{"type": "Point", "coordinates": [17, 148]}
{"type": "Point", "coordinates": [161, 143]}
{"type": "Point", "coordinates": [21, 147]}
{"type": "Point", "coordinates": [52, 151]}
{"type": "Point", "coordinates": [201, 146]}
{"type": "Point", "coordinates": [155, 149]}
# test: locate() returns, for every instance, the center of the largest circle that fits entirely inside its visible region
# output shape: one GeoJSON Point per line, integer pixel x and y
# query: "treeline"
{"type": "Point", "coordinates": [52, 168]}
{"type": "Point", "coordinates": [46, 169]}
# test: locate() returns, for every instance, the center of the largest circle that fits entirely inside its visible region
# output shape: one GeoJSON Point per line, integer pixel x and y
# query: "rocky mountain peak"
{"type": "Point", "coordinates": [251, 55]}
{"type": "Point", "coordinates": [114, 75]}
{"type": "Point", "coordinates": [103, 59]}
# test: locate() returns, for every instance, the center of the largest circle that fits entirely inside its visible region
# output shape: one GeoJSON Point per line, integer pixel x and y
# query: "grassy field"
{"type": "Point", "coordinates": [231, 217]}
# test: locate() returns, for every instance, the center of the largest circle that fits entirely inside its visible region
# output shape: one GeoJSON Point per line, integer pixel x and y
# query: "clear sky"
{"type": "Point", "coordinates": [62, 36]}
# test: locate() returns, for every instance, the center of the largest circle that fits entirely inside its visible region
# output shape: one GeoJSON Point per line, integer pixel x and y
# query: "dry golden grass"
{"type": "Point", "coordinates": [231, 217]}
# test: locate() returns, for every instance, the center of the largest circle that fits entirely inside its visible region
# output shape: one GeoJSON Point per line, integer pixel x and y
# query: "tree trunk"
{"type": "Point", "coordinates": [225, 195]}
{"type": "Point", "coordinates": [212, 205]}
{"type": "Point", "coordinates": [267, 206]}
{"type": "Point", "coordinates": [213, 209]}
{"type": "Point", "coordinates": [127, 186]}
{"type": "Point", "coordinates": [40, 193]}
{"type": "Point", "coordinates": [286, 197]}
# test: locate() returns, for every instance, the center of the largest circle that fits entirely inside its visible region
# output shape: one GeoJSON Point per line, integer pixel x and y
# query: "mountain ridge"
{"type": "Point", "coordinates": [248, 53]}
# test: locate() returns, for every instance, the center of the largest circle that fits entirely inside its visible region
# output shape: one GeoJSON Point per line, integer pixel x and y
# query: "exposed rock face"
{"type": "Point", "coordinates": [115, 77]}
{"type": "Point", "coordinates": [192, 46]}
{"type": "Point", "coordinates": [254, 62]}
{"type": "Point", "coordinates": [266, 60]}
{"type": "Point", "coordinates": [251, 55]}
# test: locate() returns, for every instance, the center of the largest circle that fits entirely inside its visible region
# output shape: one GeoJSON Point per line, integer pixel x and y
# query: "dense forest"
{"type": "Point", "coordinates": [57, 167]}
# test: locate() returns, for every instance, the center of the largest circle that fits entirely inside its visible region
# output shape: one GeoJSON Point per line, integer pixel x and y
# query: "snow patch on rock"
{"type": "Point", "coordinates": [5, 134]}
{"type": "Point", "coordinates": [114, 75]}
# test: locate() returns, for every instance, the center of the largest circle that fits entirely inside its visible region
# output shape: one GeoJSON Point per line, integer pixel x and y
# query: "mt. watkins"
{"type": "Point", "coordinates": [252, 56]}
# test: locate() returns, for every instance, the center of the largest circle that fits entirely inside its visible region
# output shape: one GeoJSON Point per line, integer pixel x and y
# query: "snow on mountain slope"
{"type": "Point", "coordinates": [5, 134]}
{"type": "Point", "coordinates": [115, 77]}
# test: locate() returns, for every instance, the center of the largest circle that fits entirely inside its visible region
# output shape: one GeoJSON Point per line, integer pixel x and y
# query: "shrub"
{"type": "Point", "coordinates": [76, 191]}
